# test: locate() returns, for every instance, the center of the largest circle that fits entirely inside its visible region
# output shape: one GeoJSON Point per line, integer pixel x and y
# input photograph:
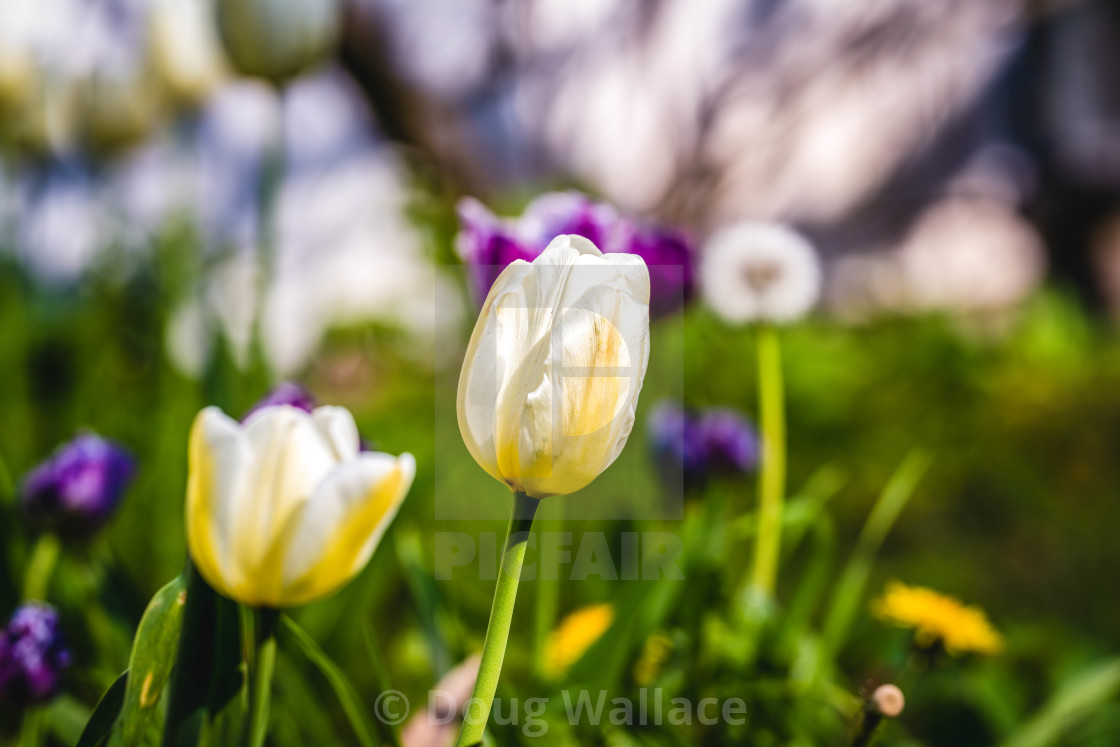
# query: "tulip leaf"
{"type": "Point", "coordinates": [105, 713]}
{"type": "Point", "coordinates": [153, 654]}
{"type": "Point", "coordinates": [344, 689]}
{"type": "Point", "coordinates": [207, 671]}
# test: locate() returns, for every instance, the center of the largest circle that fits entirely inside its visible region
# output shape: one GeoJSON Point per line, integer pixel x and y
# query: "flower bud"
{"type": "Point", "coordinates": [33, 655]}
{"type": "Point", "coordinates": [277, 39]}
{"type": "Point", "coordinates": [554, 367]}
{"type": "Point", "coordinates": [78, 488]}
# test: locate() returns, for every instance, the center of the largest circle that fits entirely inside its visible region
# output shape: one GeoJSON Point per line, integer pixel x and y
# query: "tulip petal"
{"type": "Point", "coordinates": [291, 458]}
{"type": "Point", "coordinates": [221, 463]}
{"type": "Point", "coordinates": [338, 428]}
{"type": "Point", "coordinates": [338, 529]}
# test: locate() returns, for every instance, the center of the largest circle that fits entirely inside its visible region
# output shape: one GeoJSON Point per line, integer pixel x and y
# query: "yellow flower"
{"type": "Point", "coordinates": [554, 366]}
{"type": "Point", "coordinates": [937, 618]}
{"type": "Point", "coordinates": [283, 509]}
{"type": "Point", "coordinates": [574, 635]}
{"type": "Point", "coordinates": [656, 651]}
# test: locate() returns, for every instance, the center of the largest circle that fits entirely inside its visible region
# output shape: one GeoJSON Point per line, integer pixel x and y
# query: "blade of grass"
{"type": "Point", "coordinates": [1081, 697]}
{"type": "Point", "coordinates": [849, 589]}
{"type": "Point", "coordinates": [344, 690]}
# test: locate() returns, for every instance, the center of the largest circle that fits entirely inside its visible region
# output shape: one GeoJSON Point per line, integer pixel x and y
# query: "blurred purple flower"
{"type": "Point", "coordinates": [77, 489]}
{"type": "Point", "coordinates": [676, 444]}
{"type": "Point", "coordinates": [691, 447]}
{"type": "Point", "coordinates": [285, 393]}
{"type": "Point", "coordinates": [33, 655]}
{"type": "Point", "coordinates": [667, 254]}
{"type": "Point", "coordinates": [488, 243]}
{"type": "Point", "coordinates": [730, 441]}
{"type": "Point", "coordinates": [291, 393]}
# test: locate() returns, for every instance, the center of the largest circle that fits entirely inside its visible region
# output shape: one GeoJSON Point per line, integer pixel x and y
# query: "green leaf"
{"type": "Point", "coordinates": [153, 654]}
{"type": "Point", "coordinates": [207, 673]}
{"type": "Point", "coordinates": [850, 588]}
{"type": "Point", "coordinates": [1080, 698]}
{"type": "Point", "coordinates": [345, 691]}
{"type": "Point", "coordinates": [104, 716]}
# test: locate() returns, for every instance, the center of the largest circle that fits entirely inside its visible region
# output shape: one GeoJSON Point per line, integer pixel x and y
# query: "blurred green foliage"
{"type": "Point", "coordinates": [1018, 512]}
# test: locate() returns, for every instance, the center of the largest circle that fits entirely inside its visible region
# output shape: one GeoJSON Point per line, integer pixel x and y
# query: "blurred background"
{"type": "Point", "coordinates": [201, 198]}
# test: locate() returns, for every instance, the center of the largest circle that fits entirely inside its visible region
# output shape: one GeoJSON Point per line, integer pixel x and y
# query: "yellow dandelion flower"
{"type": "Point", "coordinates": [574, 635]}
{"type": "Point", "coordinates": [937, 618]}
{"type": "Point", "coordinates": [656, 651]}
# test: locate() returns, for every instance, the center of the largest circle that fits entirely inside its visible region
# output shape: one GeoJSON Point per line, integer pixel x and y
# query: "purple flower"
{"type": "Point", "coordinates": [77, 489]}
{"type": "Point", "coordinates": [488, 243]}
{"type": "Point", "coordinates": [729, 440]}
{"type": "Point", "coordinates": [676, 445]}
{"type": "Point", "coordinates": [692, 447]}
{"type": "Point", "coordinates": [286, 393]}
{"type": "Point", "coordinates": [33, 655]}
{"type": "Point", "coordinates": [668, 256]}
{"type": "Point", "coordinates": [294, 395]}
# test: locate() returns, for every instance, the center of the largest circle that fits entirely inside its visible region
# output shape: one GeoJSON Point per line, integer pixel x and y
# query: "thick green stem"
{"type": "Point", "coordinates": [501, 614]}
{"type": "Point", "coordinates": [264, 661]}
{"type": "Point", "coordinates": [40, 567]}
{"type": "Point", "coordinates": [772, 475]}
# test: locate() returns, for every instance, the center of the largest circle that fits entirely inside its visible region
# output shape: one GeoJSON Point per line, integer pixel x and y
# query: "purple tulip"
{"type": "Point", "coordinates": [77, 489]}
{"type": "Point", "coordinates": [488, 243]}
{"type": "Point", "coordinates": [668, 256]}
{"type": "Point", "coordinates": [33, 655]}
{"type": "Point", "coordinates": [286, 393]}
{"type": "Point", "coordinates": [729, 441]}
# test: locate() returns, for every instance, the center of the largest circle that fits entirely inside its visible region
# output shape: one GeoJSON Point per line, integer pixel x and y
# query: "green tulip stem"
{"type": "Point", "coordinates": [264, 661]}
{"type": "Point", "coordinates": [772, 474]}
{"type": "Point", "coordinates": [40, 567]}
{"type": "Point", "coordinates": [501, 614]}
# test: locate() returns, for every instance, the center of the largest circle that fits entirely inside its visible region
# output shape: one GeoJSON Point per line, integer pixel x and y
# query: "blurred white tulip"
{"type": "Point", "coordinates": [185, 50]}
{"type": "Point", "coordinates": [277, 39]}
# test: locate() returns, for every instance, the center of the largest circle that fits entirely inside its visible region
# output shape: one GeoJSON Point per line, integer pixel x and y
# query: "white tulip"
{"type": "Point", "coordinates": [283, 509]}
{"type": "Point", "coordinates": [554, 367]}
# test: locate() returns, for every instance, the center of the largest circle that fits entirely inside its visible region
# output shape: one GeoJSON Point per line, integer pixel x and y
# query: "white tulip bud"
{"type": "Point", "coordinates": [277, 39]}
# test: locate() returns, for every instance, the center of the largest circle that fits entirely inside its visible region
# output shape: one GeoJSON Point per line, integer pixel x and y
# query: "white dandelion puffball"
{"type": "Point", "coordinates": [760, 272]}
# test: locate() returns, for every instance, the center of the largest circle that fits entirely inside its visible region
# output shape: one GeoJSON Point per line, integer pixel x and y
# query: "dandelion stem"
{"type": "Point", "coordinates": [264, 661]}
{"type": "Point", "coordinates": [497, 632]}
{"type": "Point", "coordinates": [772, 475]}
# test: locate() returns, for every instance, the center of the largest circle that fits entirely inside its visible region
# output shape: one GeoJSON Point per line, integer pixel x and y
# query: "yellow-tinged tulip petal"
{"type": "Point", "coordinates": [282, 509]}
{"type": "Point", "coordinates": [554, 367]}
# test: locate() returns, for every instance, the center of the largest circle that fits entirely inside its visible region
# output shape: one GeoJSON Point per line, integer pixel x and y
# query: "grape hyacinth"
{"type": "Point", "coordinates": [488, 243]}
{"type": "Point", "coordinates": [33, 655]}
{"type": "Point", "coordinates": [78, 488]}
{"type": "Point", "coordinates": [691, 447]}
